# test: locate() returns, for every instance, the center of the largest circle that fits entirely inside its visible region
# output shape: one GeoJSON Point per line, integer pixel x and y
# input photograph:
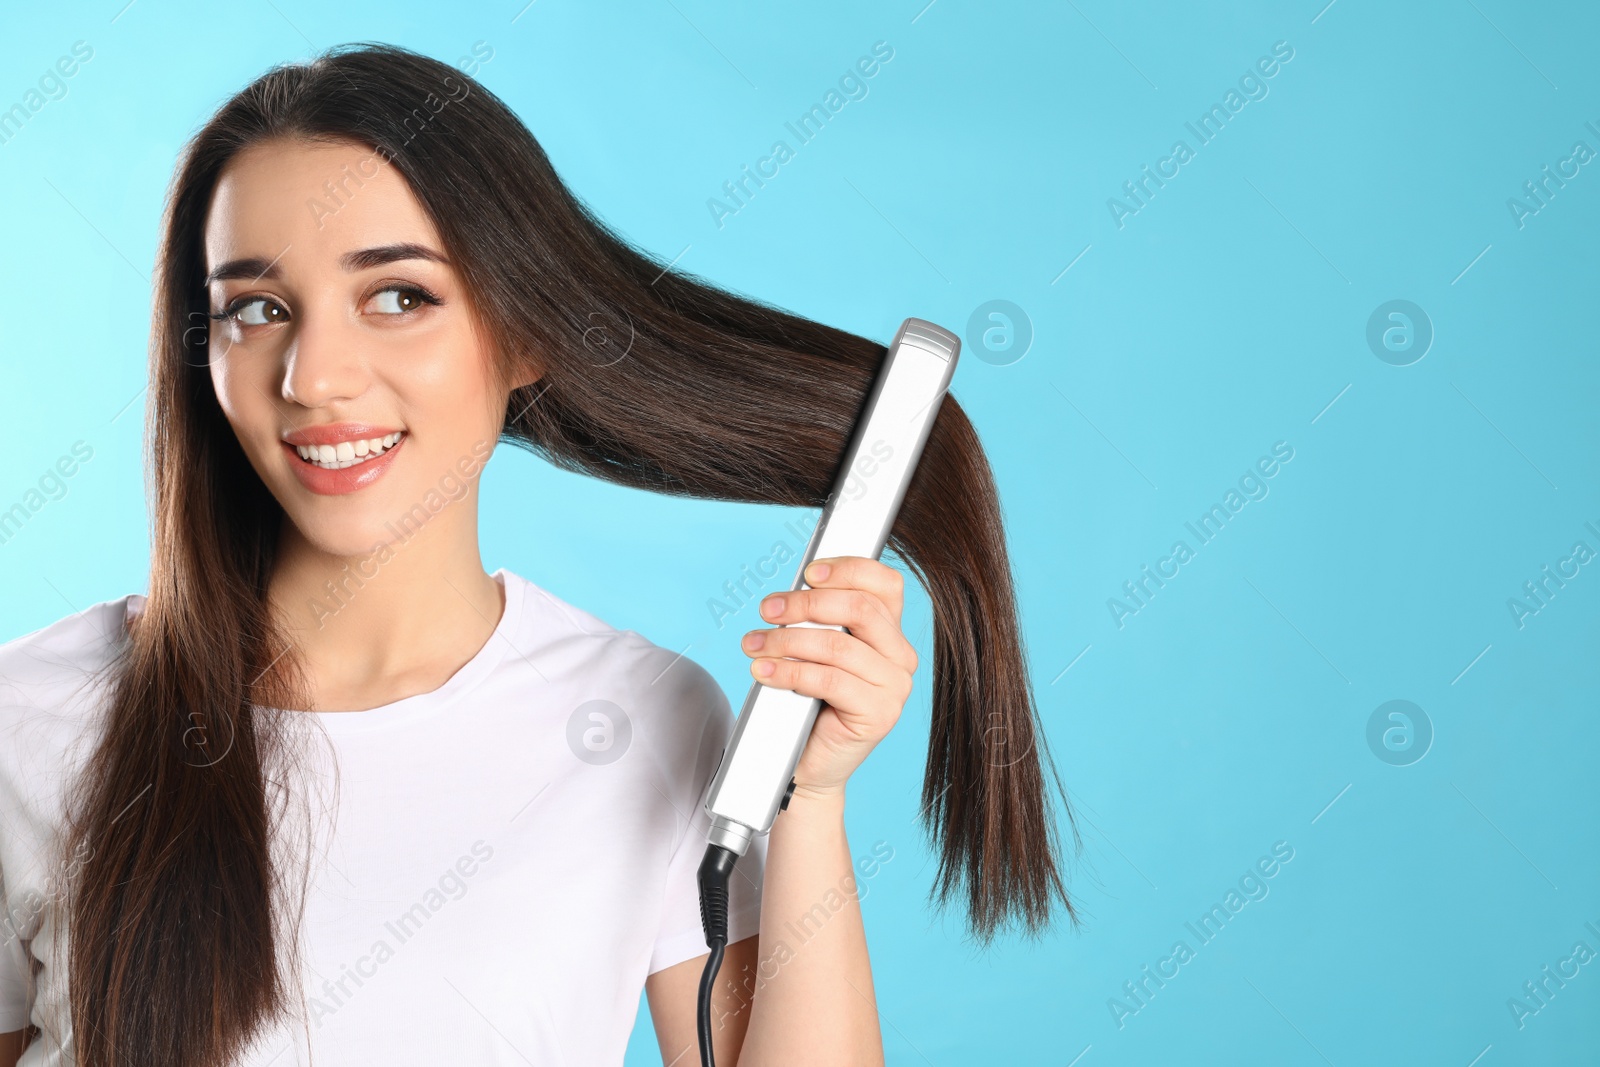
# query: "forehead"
{"type": "Point", "coordinates": [310, 202]}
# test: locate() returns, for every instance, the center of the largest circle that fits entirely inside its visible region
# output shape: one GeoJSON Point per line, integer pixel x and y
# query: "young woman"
{"type": "Point", "coordinates": [332, 790]}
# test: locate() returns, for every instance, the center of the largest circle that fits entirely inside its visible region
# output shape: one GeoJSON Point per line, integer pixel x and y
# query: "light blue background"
{"type": "Point", "coordinates": [1228, 314]}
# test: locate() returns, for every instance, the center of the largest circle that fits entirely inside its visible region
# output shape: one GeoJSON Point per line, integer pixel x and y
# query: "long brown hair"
{"type": "Point", "coordinates": [180, 935]}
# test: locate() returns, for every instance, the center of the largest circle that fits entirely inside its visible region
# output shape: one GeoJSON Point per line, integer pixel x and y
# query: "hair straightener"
{"type": "Point", "coordinates": [754, 777]}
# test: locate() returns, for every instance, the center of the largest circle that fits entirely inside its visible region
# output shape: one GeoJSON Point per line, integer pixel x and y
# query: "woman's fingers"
{"type": "Point", "coordinates": [854, 698]}
{"type": "Point", "coordinates": [858, 572]}
{"type": "Point", "coordinates": [829, 648]}
{"type": "Point", "coordinates": [862, 673]}
{"type": "Point", "coordinates": [852, 596]}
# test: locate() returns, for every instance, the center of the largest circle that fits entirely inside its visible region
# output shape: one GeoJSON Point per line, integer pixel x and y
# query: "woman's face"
{"type": "Point", "coordinates": [349, 363]}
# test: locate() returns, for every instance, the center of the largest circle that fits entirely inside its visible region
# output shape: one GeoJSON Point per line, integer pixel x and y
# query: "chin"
{"type": "Point", "coordinates": [373, 509]}
{"type": "Point", "coordinates": [377, 519]}
{"type": "Point", "coordinates": [363, 532]}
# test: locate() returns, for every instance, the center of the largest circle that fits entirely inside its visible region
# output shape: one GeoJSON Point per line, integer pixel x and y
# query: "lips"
{"type": "Point", "coordinates": [341, 458]}
{"type": "Point", "coordinates": [335, 432]}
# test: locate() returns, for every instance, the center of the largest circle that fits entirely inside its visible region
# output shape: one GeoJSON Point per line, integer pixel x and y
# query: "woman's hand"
{"type": "Point", "coordinates": [863, 676]}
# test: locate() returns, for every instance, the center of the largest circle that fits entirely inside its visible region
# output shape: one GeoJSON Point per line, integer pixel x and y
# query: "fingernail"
{"type": "Point", "coordinates": [765, 667]}
{"type": "Point", "coordinates": [818, 572]}
{"type": "Point", "coordinates": [754, 640]}
{"type": "Point", "coordinates": [773, 607]}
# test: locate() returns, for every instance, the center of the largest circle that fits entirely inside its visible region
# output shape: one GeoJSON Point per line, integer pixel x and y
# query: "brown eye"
{"type": "Point", "coordinates": [399, 300]}
{"type": "Point", "coordinates": [257, 311]}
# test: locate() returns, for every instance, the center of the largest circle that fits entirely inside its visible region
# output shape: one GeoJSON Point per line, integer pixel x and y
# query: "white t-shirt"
{"type": "Point", "coordinates": [501, 864]}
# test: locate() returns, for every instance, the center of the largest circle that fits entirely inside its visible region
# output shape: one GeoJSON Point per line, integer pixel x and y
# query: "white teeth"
{"type": "Point", "coordinates": [347, 453]}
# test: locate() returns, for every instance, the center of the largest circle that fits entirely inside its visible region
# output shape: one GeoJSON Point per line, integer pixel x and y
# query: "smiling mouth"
{"type": "Point", "coordinates": [347, 453]}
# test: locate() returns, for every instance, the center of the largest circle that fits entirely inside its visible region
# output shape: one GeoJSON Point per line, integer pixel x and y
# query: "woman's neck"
{"type": "Point", "coordinates": [400, 622]}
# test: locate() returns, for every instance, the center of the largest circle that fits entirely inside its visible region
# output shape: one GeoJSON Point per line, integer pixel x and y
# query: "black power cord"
{"type": "Point", "coordinates": [714, 872]}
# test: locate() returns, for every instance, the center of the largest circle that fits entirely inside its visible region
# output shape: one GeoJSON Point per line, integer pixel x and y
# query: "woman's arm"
{"type": "Point", "coordinates": [812, 988]}
{"type": "Point", "coordinates": [11, 1046]}
{"type": "Point", "coordinates": [809, 990]}
{"type": "Point", "coordinates": [814, 1002]}
{"type": "Point", "coordinates": [674, 994]}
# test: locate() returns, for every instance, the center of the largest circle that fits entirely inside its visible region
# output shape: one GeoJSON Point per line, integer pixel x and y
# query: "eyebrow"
{"type": "Point", "coordinates": [253, 267]}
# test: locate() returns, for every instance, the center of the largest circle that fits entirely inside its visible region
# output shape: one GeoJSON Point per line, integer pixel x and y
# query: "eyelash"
{"type": "Point", "coordinates": [245, 301]}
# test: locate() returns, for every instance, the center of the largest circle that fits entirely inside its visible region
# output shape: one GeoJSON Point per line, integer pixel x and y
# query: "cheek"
{"type": "Point", "coordinates": [450, 378]}
{"type": "Point", "coordinates": [242, 398]}
{"type": "Point", "coordinates": [225, 383]}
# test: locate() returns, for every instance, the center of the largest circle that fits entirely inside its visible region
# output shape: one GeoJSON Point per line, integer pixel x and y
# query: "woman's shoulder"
{"type": "Point", "coordinates": [622, 696]}
{"type": "Point", "coordinates": [582, 644]}
{"type": "Point", "coordinates": [49, 669]}
{"type": "Point", "coordinates": [52, 687]}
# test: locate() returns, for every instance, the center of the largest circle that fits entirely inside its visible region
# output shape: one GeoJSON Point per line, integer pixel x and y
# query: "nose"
{"type": "Point", "coordinates": [323, 362]}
